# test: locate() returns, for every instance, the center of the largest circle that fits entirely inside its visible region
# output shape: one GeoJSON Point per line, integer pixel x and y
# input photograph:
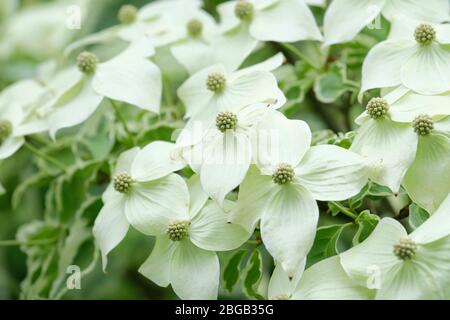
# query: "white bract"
{"type": "Point", "coordinates": [142, 184]}
{"type": "Point", "coordinates": [184, 255]}
{"type": "Point", "coordinates": [293, 175]}
{"type": "Point", "coordinates": [417, 56]}
{"type": "Point", "coordinates": [417, 128]}
{"type": "Point", "coordinates": [344, 19]}
{"type": "Point", "coordinates": [294, 19]}
{"type": "Point", "coordinates": [77, 92]}
{"type": "Point", "coordinates": [325, 280]}
{"type": "Point", "coordinates": [413, 266]}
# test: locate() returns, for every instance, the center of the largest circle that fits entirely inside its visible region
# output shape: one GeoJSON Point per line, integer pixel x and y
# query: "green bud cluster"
{"type": "Point", "coordinates": [377, 108]}
{"type": "Point", "coordinates": [425, 34]}
{"type": "Point", "coordinates": [226, 121]}
{"type": "Point", "coordinates": [423, 125]}
{"type": "Point", "coordinates": [244, 10]}
{"type": "Point", "coordinates": [5, 130]}
{"type": "Point", "coordinates": [283, 174]}
{"type": "Point", "coordinates": [122, 182]}
{"type": "Point", "coordinates": [194, 28]}
{"type": "Point", "coordinates": [178, 231]}
{"type": "Point", "coordinates": [127, 14]}
{"type": "Point", "coordinates": [87, 62]}
{"type": "Point", "coordinates": [405, 249]}
{"type": "Point", "coordinates": [216, 82]}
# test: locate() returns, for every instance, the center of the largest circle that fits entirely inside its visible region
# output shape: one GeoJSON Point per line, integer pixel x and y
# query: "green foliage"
{"type": "Point", "coordinates": [417, 215]}
{"type": "Point", "coordinates": [252, 275]}
{"type": "Point", "coordinates": [232, 270]}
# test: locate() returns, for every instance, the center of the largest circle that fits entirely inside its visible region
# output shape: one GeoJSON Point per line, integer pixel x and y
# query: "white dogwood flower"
{"type": "Point", "coordinates": [325, 280]}
{"type": "Point", "coordinates": [344, 19]}
{"type": "Point", "coordinates": [292, 175]}
{"type": "Point", "coordinates": [77, 91]}
{"type": "Point", "coordinates": [413, 266]}
{"type": "Point", "coordinates": [17, 117]}
{"type": "Point", "coordinates": [417, 128]}
{"type": "Point", "coordinates": [142, 184]}
{"type": "Point", "coordinates": [215, 88]}
{"type": "Point", "coordinates": [294, 20]}
{"type": "Point", "coordinates": [417, 56]}
{"type": "Point", "coordinates": [184, 254]}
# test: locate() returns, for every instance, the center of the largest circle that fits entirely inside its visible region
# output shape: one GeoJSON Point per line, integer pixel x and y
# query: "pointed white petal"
{"type": "Point", "coordinates": [427, 180]}
{"type": "Point", "coordinates": [130, 79]}
{"type": "Point", "coordinates": [110, 226]}
{"type": "Point", "coordinates": [332, 173]}
{"type": "Point", "coordinates": [280, 285]}
{"type": "Point", "coordinates": [427, 71]}
{"type": "Point", "coordinates": [376, 139]}
{"type": "Point", "coordinates": [10, 146]}
{"type": "Point", "coordinates": [194, 272]}
{"type": "Point", "coordinates": [433, 11]}
{"type": "Point", "coordinates": [125, 160]}
{"type": "Point", "coordinates": [345, 18]}
{"type": "Point", "coordinates": [153, 206]}
{"type": "Point", "coordinates": [226, 161]}
{"type": "Point", "coordinates": [197, 195]}
{"type": "Point", "coordinates": [288, 225]}
{"type": "Point", "coordinates": [157, 266]}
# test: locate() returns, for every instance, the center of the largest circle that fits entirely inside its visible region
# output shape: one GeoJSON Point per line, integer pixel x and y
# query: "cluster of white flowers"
{"type": "Point", "coordinates": [235, 136]}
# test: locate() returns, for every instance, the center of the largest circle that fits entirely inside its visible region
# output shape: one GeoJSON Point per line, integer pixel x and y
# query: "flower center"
{"type": "Point", "coordinates": [425, 34]}
{"type": "Point", "coordinates": [226, 121]}
{"type": "Point", "coordinates": [283, 174]}
{"type": "Point", "coordinates": [122, 182]}
{"type": "Point", "coordinates": [377, 108]}
{"type": "Point", "coordinates": [178, 231]}
{"type": "Point", "coordinates": [194, 28]}
{"type": "Point", "coordinates": [216, 82]}
{"type": "Point", "coordinates": [244, 10]}
{"type": "Point", "coordinates": [280, 297]}
{"type": "Point", "coordinates": [405, 249]}
{"type": "Point", "coordinates": [5, 130]}
{"type": "Point", "coordinates": [127, 14]}
{"type": "Point", "coordinates": [423, 125]}
{"type": "Point", "coordinates": [87, 62]}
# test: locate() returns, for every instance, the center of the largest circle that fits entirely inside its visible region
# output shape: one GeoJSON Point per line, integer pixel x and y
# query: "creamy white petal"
{"type": "Point", "coordinates": [326, 280]}
{"type": "Point", "coordinates": [269, 64]}
{"type": "Point", "coordinates": [374, 256]}
{"type": "Point", "coordinates": [157, 266]}
{"type": "Point", "coordinates": [376, 139]}
{"type": "Point", "coordinates": [428, 179]}
{"type": "Point", "coordinates": [297, 23]}
{"type": "Point", "coordinates": [110, 226]}
{"type": "Point", "coordinates": [344, 19]}
{"type": "Point", "coordinates": [228, 19]}
{"type": "Point", "coordinates": [254, 193]}
{"type": "Point", "coordinates": [280, 140]}
{"type": "Point", "coordinates": [130, 79]}
{"type": "Point", "coordinates": [10, 146]}
{"type": "Point", "coordinates": [280, 285]}
{"type": "Point", "coordinates": [433, 11]}
{"type": "Point", "coordinates": [427, 71]}
{"type": "Point", "coordinates": [197, 195]}
{"type": "Point", "coordinates": [332, 173]}
{"type": "Point", "coordinates": [194, 272]}
{"type": "Point", "coordinates": [226, 161]}
{"type": "Point", "coordinates": [153, 206]}
{"type": "Point", "coordinates": [154, 162]}
{"type": "Point", "coordinates": [125, 160]}
{"type": "Point", "coordinates": [382, 65]}
{"type": "Point", "coordinates": [288, 225]}
{"type": "Point", "coordinates": [210, 229]}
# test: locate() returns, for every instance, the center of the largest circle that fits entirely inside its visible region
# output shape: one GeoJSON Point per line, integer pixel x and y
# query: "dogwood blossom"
{"type": "Point", "coordinates": [416, 57]}
{"type": "Point", "coordinates": [184, 255]}
{"type": "Point", "coordinates": [297, 23]}
{"type": "Point", "coordinates": [344, 19]}
{"type": "Point", "coordinates": [142, 184]}
{"type": "Point", "coordinates": [292, 176]}
{"type": "Point", "coordinates": [325, 280]}
{"type": "Point", "coordinates": [413, 266]}
{"type": "Point", "coordinates": [417, 128]}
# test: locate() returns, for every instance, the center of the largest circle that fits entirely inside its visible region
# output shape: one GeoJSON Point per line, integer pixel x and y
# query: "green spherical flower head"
{"type": "Point", "coordinates": [216, 82]}
{"type": "Point", "coordinates": [405, 249]}
{"type": "Point", "coordinates": [244, 10]}
{"type": "Point", "coordinates": [194, 28]}
{"type": "Point", "coordinates": [5, 130]}
{"type": "Point", "coordinates": [377, 108]}
{"type": "Point", "coordinates": [425, 34]}
{"type": "Point", "coordinates": [127, 14]}
{"type": "Point", "coordinates": [178, 231]}
{"type": "Point", "coordinates": [283, 174]}
{"type": "Point", "coordinates": [423, 125]}
{"type": "Point", "coordinates": [87, 62]}
{"type": "Point", "coordinates": [226, 121]}
{"type": "Point", "coordinates": [122, 182]}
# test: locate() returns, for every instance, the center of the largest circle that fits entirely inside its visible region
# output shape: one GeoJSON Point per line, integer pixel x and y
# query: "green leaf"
{"type": "Point", "coordinates": [330, 85]}
{"type": "Point", "coordinates": [366, 224]}
{"type": "Point", "coordinates": [36, 180]}
{"type": "Point", "coordinates": [417, 215]}
{"type": "Point", "coordinates": [378, 191]}
{"type": "Point", "coordinates": [232, 270]}
{"type": "Point", "coordinates": [253, 274]}
{"type": "Point", "coordinates": [326, 243]}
